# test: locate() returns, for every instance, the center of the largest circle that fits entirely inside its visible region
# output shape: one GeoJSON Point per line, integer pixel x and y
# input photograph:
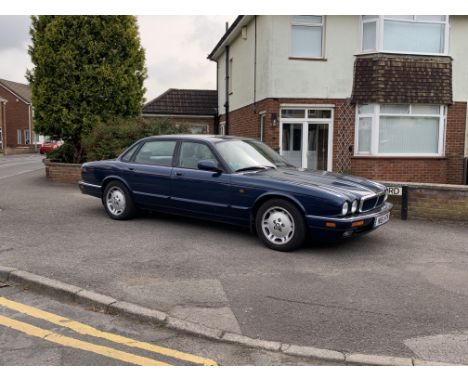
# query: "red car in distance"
{"type": "Point", "coordinates": [49, 146]}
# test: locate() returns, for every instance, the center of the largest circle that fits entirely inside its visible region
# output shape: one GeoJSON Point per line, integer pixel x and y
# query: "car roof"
{"type": "Point", "coordinates": [198, 137]}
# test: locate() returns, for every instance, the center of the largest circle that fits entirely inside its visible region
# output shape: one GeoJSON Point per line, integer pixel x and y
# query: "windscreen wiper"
{"type": "Point", "coordinates": [252, 168]}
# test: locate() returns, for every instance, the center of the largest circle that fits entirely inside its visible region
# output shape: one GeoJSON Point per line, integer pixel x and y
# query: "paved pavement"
{"type": "Point", "coordinates": [399, 291]}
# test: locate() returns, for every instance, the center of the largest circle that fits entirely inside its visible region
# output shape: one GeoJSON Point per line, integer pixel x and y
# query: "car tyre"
{"type": "Point", "coordinates": [118, 202]}
{"type": "Point", "coordinates": [280, 225]}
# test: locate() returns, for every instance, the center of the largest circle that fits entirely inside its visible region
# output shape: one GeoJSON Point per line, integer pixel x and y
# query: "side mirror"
{"type": "Point", "coordinates": [208, 165]}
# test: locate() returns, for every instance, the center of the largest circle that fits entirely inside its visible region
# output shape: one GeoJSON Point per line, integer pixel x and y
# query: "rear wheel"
{"type": "Point", "coordinates": [118, 202]}
{"type": "Point", "coordinates": [280, 225]}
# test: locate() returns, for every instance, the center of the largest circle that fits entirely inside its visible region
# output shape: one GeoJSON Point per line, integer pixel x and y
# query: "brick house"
{"type": "Point", "coordinates": [195, 108]}
{"type": "Point", "coordinates": [384, 97]}
{"type": "Point", "coordinates": [17, 130]}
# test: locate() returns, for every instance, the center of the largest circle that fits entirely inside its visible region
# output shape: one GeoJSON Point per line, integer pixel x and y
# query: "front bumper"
{"type": "Point", "coordinates": [329, 228]}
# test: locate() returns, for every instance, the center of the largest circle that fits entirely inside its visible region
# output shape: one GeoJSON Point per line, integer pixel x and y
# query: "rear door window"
{"type": "Point", "coordinates": [159, 153]}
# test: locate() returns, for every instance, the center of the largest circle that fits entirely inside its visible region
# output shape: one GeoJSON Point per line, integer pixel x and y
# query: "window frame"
{"type": "Point", "coordinates": [375, 130]}
{"type": "Point", "coordinates": [379, 41]}
{"type": "Point", "coordinates": [305, 24]}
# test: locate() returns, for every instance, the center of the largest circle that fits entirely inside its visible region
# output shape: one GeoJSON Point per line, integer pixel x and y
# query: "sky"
{"type": "Point", "coordinates": [176, 50]}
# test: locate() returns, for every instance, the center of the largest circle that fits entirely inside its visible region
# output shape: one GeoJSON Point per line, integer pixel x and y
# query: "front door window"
{"type": "Point", "coordinates": [292, 143]}
{"type": "Point", "coordinates": [306, 137]}
{"type": "Point", "coordinates": [317, 152]}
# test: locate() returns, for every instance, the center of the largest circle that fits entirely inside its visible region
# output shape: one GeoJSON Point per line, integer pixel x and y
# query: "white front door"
{"type": "Point", "coordinates": [306, 144]}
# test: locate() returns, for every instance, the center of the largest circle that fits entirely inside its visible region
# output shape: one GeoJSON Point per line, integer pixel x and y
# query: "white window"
{"type": "Point", "coordinates": [405, 34]}
{"type": "Point", "coordinates": [222, 128]}
{"type": "Point", "coordinates": [262, 125]}
{"type": "Point", "coordinates": [307, 36]}
{"type": "Point", "coordinates": [27, 138]}
{"type": "Point", "coordinates": [400, 130]}
{"type": "Point", "coordinates": [19, 136]}
{"type": "Point", "coordinates": [199, 128]}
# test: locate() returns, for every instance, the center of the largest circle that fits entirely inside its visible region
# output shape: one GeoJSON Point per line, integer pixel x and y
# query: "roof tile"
{"type": "Point", "coordinates": [184, 102]}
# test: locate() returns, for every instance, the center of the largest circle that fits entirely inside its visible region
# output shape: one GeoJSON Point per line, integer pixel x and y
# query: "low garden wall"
{"type": "Point", "coordinates": [21, 150]}
{"type": "Point", "coordinates": [62, 172]}
{"type": "Point", "coordinates": [431, 201]}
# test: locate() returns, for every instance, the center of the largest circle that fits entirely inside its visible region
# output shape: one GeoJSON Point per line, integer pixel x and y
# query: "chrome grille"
{"type": "Point", "coordinates": [372, 201]}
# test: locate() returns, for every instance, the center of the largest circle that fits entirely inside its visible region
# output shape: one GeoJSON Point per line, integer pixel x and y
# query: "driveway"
{"type": "Point", "coordinates": [401, 290]}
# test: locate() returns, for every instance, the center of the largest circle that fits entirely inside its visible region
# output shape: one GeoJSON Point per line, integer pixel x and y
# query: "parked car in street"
{"type": "Point", "coordinates": [239, 181]}
{"type": "Point", "coordinates": [49, 146]}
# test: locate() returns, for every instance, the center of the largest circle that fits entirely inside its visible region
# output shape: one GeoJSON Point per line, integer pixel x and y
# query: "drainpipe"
{"type": "Point", "coordinates": [226, 105]}
{"type": "Point", "coordinates": [216, 116]}
{"type": "Point", "coordinates": [226, 86]}
{"type": "Point", "coordinates": [255, 66]}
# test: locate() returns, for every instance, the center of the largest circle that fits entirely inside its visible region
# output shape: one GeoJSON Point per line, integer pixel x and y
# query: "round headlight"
{"type": "Point", "coordinates": [354, 207]}
{"type": "Point", "coordinates": [345, 208]}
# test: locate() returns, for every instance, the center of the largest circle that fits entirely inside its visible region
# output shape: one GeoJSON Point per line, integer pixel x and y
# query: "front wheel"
{"type": "Point", "coordinates": [280, 225]}
{"type": "Point", "coordinates": [118, 202]}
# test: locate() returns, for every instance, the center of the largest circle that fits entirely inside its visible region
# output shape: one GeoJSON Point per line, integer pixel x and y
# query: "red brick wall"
{"type": "Point", "coordinates": [62, 172]}
{"type": "Point", "coordinates": [17, 117]}
{"type": "Point", "coordinates": [449, 169]}
{"type": "Point", "coordinates": [455, 141]}
{"type": "Point", "coordinates": [436, 202]}
{"type": "Point", "coordinates": [420, 170]}
{"type": "Point", "coordinates": [210, 121]}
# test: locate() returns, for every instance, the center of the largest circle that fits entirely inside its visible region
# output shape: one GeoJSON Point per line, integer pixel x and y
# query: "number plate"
{"type": "Point", "coordinates": [382, 219]}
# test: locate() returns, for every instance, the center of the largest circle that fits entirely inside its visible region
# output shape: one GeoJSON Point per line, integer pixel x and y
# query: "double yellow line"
{"type": "Point", "coordinates": [90, 331]}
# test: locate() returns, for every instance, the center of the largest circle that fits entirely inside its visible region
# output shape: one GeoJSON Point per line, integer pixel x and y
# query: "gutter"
{"type": "Point", "coordinates": [230, 34]}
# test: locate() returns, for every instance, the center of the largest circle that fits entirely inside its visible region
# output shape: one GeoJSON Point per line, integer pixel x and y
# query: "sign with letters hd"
{"type": "Point", "coordinates": [394, 191]}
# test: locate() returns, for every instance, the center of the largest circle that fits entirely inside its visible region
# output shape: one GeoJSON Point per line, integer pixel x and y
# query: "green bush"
{"type": "Point", "coordinates": [108, 140]}
{"type": "Point", "coordinates": [64, 153]}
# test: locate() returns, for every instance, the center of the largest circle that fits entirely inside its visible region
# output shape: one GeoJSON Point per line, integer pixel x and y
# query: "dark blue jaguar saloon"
{"type": "Point", "coordinates": [239, 181]}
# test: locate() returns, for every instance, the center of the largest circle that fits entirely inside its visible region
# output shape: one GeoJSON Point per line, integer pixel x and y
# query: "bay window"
{"type": "Point", "coordinates": [307, 36]}
{"type": "Point", "coordinates": [405, 34]}
{"type": "Point", "coordinates": [400, 130]}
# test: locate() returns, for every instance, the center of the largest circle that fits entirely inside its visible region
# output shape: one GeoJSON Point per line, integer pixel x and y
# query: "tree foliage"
{"type": "Point", "coordinates": [87, 70]}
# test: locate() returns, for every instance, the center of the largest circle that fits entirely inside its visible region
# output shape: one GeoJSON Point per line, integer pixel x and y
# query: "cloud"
{"type": "Point", "coordinates": [14, 63]}
{"type": "Point", "coordinates": [176, 50]}
{"type": "Point", "coordinates": [14, 32]}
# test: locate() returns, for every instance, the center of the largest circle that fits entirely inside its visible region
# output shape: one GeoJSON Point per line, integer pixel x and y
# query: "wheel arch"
{"type": "Point", "coordinates": [110, 178]}
{"type": "Point", "coordinates": [273, 195]}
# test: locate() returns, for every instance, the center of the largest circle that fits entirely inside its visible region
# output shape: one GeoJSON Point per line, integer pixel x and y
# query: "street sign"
{"type": "Point", "coordinates": [395, 190]}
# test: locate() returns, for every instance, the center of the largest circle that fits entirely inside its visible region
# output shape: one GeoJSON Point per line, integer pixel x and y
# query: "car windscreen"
{"type": "Point", "coordinates": [240, 154]}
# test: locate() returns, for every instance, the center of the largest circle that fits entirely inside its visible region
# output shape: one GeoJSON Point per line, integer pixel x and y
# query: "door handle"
{"type": "Point", "coordinates": [178, 174]}
{"type": "Point", "coordinates": [131, 169]}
